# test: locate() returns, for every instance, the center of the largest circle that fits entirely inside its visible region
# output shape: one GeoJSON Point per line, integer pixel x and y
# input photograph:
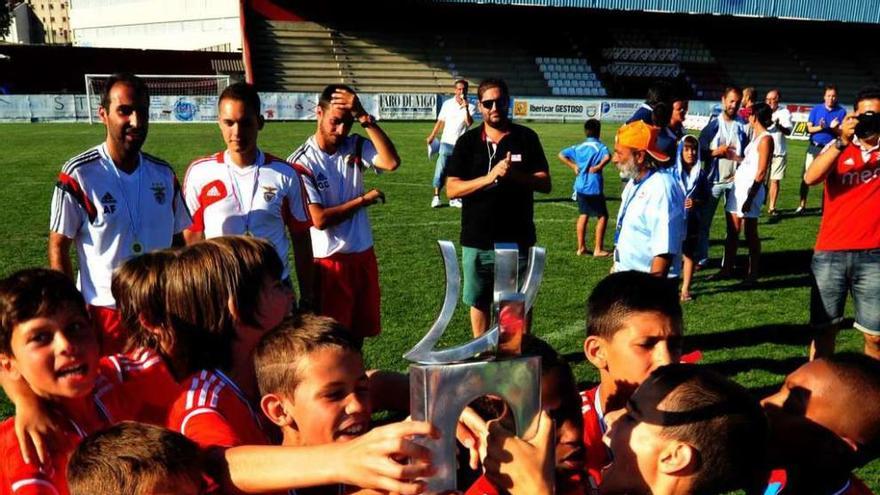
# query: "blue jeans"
{"type": "Point", "coordinates": [836, 273]}
{"type": "Point", "coordinates": [707, 212]}
{"type": "Point", "coordinates": [440, 168]}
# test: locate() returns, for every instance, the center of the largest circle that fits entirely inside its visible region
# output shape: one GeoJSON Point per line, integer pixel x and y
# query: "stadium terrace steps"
{"type": "Point", "coordinates": [298, 56]}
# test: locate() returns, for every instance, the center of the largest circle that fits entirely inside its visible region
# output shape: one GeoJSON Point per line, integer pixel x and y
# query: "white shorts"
{"type": "Point", "coordinates": [777, 167]}
{"type": "Point", "coordinates": [736, 198]}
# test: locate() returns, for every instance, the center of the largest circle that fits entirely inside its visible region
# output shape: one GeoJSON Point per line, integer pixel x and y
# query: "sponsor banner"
{"type": "Point", "coordinates": [555, 109]}
{"type": "Point", "coordinates": [619, 110]}
{"type": "Point", "coordinates": [186, 109]}
{"type": "Point", "coordinates": [15, 108]}
{"type": "Point", "coordinates": [401, 106]}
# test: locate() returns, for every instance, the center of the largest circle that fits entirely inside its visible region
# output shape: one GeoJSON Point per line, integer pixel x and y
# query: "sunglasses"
{"type": "Point", "coordinates": [497, 102]}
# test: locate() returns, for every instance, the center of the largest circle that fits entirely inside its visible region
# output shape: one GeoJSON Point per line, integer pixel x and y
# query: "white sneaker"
{"type": "Point", "coordinates": [455, 203]}
{"type": "Point", "coordinates": [574, 196]}
{"type": "Point", "coordinates": [435, 203]}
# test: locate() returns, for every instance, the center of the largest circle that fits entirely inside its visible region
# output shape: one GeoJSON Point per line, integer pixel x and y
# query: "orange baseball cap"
{"type": "Point", "coordinates": [641, 136]}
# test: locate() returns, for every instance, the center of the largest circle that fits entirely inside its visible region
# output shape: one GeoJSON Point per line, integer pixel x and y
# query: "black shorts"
{"type": "Point", "coordinates": [592, 205]}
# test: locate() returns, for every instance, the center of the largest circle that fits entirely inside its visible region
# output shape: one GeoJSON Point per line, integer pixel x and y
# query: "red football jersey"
{"type": "Point", "coordinates": [212, 411]}
{"type": "Point", "coordinates": [597, 452]}
{"type": "Point", "coordinates": [851, 214]}
{"type": "Point", "coordinates": [128, 387]}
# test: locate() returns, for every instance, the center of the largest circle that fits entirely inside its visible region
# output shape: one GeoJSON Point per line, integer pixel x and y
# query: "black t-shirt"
{"type": "Point", "coordinates": [502, 212]}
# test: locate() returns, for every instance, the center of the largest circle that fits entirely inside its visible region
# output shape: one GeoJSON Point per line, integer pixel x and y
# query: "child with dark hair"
{"type": "Point", "coordinates": [587, 160]}
{"type": "Point", "coordinates": [745, 199]}
{"type": "Point", "coordinates": [634, 326]}
{"type": "Point", "coordinates": [824, 423]}
{"type": "Point", "coordinates": [687, 431]}
{"type": "Point", "coordinates": [696, 188]}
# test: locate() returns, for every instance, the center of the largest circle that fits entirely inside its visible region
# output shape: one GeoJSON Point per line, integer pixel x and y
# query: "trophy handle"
{"type": "Point", "coordinates": [537, 260]}
{"type": "Point", "coordinates": [423, 351]}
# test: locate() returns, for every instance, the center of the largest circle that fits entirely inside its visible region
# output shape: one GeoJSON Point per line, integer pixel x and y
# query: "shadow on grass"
{"type": "Point", "coordinates": [787, 334]}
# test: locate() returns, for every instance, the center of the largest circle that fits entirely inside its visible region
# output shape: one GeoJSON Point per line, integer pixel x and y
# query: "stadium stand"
{"type": "Point", "coordinates": [539, 51]}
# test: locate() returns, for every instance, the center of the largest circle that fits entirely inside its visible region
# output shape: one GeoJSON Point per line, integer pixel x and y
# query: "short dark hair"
{"type": "Point", "coordinates": [327, 94]}
{"type": "Point", "coordinates": [278, 356]}
{"type": "Point", "coordinates": [487, 84]}
{"type": "Point", "coordinates": [461, 81]}
{"type": "Point", "coordinates": [140, 87]}
{"type": "Point", "coordinates": [33, 293]}
{"type": "Point", "coordinates": [860, 376]}
{"type": "Point", "coordinates": [620, 294]}
{"type": "Point", "coordinates": [775, 90]}
{"type": "Point", "coordinates": [728, 89]}
{"type": "Point", "coordinates": [727, 425]}
{"type": "Point", "coordinates": [829, 87]}
{"type": "Point", "coordinates": [243, 92]}
{"type": "Point", "coordinates": [133, 459]}
{"type": "Point", "coordinates": [552, 361]}
{"type": "Point", "coordinates": [763, 113]}
{"type": "Point", "coordinates": [592, 128]}
{"type": "Point", "coordinates": [867, 93]}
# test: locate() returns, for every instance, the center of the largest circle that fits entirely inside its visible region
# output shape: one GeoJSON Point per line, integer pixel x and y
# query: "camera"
{"type": "Point", "coordinates": [868, 125]}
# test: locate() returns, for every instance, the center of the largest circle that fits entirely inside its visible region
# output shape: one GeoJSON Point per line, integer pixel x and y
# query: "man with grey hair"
{"type": "Point", "coordinates": [781, 128]}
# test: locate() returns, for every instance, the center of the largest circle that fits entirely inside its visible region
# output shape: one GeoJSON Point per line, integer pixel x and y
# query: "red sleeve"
{"type": "Point", "coordinates": [208, 428]}
{"type": "Point", "coordinates": [18, 478]}
{"type": "Point", "coordinates": [145, 381]}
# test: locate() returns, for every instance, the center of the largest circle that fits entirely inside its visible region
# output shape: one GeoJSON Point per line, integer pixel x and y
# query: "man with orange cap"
{"type": "Point", "coordinates": [650, 222]}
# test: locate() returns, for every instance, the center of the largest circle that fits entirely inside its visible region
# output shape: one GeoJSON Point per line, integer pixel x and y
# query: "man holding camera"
{"type": "Point", "coordinates": [495, 169]}
{"type": "Point", "coordinates": [847, 253]}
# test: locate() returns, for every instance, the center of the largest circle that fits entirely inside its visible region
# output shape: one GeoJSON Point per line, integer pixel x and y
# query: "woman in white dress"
{"type": "Point", "coordinates": [745, 199]}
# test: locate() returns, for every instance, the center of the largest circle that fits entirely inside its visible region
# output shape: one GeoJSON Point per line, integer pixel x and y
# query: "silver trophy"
{"type": "Point", "coordinates": [444, 382]}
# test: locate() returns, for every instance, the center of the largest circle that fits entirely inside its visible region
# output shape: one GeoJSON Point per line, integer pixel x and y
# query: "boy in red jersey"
{"type": "Point", "coordinates": [634, 326]}
{"type": "Point", "coordinates": [48, 347]}
{"type": "Point", "coordinates": [825, 422]}
{"type": "Point", "coordinates": [314, 386]}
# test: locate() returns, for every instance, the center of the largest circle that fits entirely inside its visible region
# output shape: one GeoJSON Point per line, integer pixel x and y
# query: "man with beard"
{"type": "Point", "coordinates": [650, 222]}
{"type": "Point", "coordinates": [722, 143]}
{"type": "Point", "coordinates": [332, 164]}
{"type": "Point", "coordinates": [494, 169]}
{"type": "Point", "coordinates": [114, 202]}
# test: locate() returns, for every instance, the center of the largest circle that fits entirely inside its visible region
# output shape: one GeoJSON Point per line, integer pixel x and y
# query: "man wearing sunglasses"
{"type": "Point", "coordinates": [494, 169]}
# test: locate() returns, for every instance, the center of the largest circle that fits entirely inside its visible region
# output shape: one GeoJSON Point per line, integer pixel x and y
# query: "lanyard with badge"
{"type": "Point", "coordinates": [236, 193]}
{"type": "Point", "coordinates": [134, 216]}
{"type": "Point", "coordinates": [632, 196]}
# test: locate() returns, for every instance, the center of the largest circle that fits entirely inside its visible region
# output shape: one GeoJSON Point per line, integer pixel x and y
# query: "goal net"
{"type": "Point", "coordinates": [173, 98]}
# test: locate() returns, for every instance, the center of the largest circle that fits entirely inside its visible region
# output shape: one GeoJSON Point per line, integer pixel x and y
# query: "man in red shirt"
{"type": "Point", "coordinates": [847, 253]}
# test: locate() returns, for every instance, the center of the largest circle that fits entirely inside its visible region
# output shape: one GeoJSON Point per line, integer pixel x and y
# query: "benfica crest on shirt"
{"type": "Point", "coordinates": [269, 193]}
{"type": "Point", "coordinates": [158, 189]}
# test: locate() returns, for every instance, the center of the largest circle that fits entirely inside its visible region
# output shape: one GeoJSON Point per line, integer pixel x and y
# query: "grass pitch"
{"type": "Point", "coordinates": [755, 336]}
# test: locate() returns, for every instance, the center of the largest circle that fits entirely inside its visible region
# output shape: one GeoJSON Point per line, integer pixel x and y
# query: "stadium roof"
{"type": "Point", "coordinates": [862, 11]}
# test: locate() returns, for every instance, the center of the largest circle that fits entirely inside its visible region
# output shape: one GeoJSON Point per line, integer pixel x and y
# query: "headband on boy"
{"type": "Point", "coordinates": [643, 405]}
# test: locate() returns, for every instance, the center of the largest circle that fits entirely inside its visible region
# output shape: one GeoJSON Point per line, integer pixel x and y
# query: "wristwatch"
{"type": "Point", "coordinates": [367, 120]}
{"type": "Point", "coordinates": [839, 144]}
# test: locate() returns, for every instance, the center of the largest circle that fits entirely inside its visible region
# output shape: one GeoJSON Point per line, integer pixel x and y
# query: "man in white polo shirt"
{"type": "Point", "coordinates": [114, 202]}
{"type": "Point", "coordinates": [781, 127]}
{"type": "Point", "coordinates": [651, 221]}
{"type": "Point", "coordinates": [455, 118]}
{"type": "Point", "coordinates": [332, 163]}
{"type": "Point", "coordinates": [244, 191]}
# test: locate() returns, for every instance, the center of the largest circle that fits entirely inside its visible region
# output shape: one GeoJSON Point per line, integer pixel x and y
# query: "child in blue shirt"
{"type": "Point", "coordinates": [587, 160]}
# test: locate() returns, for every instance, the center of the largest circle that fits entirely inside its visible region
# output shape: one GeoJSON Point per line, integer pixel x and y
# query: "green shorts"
{"type": "Point", "coordinates": [478, 272]}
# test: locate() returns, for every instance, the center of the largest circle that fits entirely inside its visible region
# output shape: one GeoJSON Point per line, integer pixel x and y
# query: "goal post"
{"type": "Point", "coordinates": [159, 85]}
